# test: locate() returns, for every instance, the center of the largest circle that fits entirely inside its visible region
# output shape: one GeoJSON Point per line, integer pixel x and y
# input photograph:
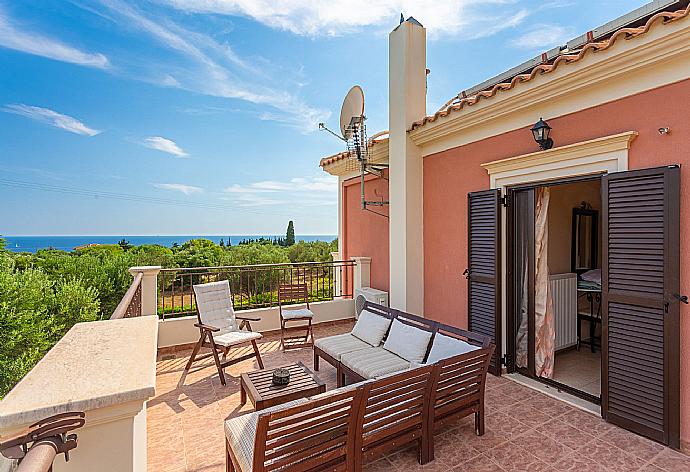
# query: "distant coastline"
{"type": "Point", "coordinates": [68, 243]}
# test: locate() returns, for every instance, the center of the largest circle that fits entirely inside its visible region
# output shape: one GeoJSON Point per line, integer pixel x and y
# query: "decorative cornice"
{"type": "Point", "coordinates": [659, 45]}
{"type": "Point", "coordinates": [616, 142]}
{"type": "Point", "coordinates": [378, 155]}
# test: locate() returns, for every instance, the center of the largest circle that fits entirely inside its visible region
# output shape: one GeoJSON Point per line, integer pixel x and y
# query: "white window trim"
{"type": "Point", "coordinates": [596, 156]}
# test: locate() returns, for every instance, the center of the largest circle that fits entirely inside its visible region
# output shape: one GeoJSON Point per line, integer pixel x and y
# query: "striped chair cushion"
{"type": "Point", "coordinates": [215, 306]}
{"type": "Point", "coordinates": [241, 433]}
{"type": "Point", "coordinates": [336, 346]}
{"type": "Point", "coordinates": [373, 362]}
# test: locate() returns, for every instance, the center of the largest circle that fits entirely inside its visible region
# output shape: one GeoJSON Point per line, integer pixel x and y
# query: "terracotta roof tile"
{"type": "Point", "coordinates": [458, 103]}
{"type": "Point", "coordinates": [375, 139]}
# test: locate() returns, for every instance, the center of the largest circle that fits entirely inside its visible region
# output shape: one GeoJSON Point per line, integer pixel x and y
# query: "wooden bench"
{"type": "Point", "coordinates": [304, 435]}
{"type": "Point", "coordinates": [342, 429]}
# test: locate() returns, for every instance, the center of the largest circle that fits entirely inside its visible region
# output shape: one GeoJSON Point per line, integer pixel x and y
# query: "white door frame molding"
{"type": "Point", "coordinates": [597, 156]}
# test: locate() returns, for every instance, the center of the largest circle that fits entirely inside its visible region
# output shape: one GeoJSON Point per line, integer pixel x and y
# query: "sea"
{"type": "Point", "coordinates": [68, 243]}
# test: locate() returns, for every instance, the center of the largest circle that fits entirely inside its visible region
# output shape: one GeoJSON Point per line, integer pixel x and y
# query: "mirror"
{"type": "Point", "coordinates": [583, 255]}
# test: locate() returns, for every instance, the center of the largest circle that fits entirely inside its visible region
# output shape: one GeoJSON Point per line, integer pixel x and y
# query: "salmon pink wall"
{"type": "Point", "coordinates": [365, 233]}
{"type": "Point", "coordinates": [451, 174]}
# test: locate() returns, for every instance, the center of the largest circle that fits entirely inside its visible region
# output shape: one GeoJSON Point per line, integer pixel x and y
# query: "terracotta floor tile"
{"type": "Point", "coordinates": [542, 447]}
{"type": "Point", "coordinates": [525, 430]}
{"type": "Point", "coordinates": [479, 464]}
{"type": "Point", "coordinates": [564, 433]}
{"type": "Point", "coordinates": [672, 461]}
{"type": "Point", "coordinates": [528, 415]}
{"type": "Point", "coordinates": [380, 465]}
{"type": "Point", "coordinates": [547, 405]}
{"type": "Point", "coordinates": [577, 463]}
{"type": "Point", "coordinates": [610, 456]}
{"type": "Point", "coordinates": [587, 422]}
{"type": "Point", "coordinates": [489, 440]}
{"type": "Point", "coordinates": [633, 443]}
{"type": "Point", "coordinates": [452, 450]}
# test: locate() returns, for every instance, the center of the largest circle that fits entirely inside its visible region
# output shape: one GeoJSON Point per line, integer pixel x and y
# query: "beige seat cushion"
{"type": "Point", "coordinates": [241, 433]}
{"type": "Point", "coordinates": [373, 362]}
{"type": "Point", "coordinates": [336, 346]}
{"type": "Point", "coordinates": [289, 314]}
{"type": "Point", "coordinates": [235, 337]}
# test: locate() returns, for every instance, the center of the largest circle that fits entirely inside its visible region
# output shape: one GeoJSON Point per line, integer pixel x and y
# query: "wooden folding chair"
{"type": "Point", "coordinates": [295, 294]}
{"type": "Point", "coordinates": [218, 327]}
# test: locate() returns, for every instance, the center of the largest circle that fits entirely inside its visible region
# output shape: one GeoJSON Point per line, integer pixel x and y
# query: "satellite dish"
{"type": "Point", "coordinates": [353, 107]}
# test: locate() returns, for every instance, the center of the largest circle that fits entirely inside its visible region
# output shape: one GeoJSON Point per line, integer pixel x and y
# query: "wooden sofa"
{"type": "Point", "coordinates": [461, 379]}
{"type": "Point", "coordinates": [338, 350]}
{"type": "Point", "coordinates": [341, 429]}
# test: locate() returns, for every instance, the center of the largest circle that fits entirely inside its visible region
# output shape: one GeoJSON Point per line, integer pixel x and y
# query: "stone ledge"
{"type": "Point", "coordinates": [95, 365]}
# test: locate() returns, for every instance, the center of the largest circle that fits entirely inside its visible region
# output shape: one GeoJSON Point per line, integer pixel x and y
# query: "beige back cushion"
{"type": "Point", "coordinates": [215, 306]}
{"type": "Point", "coordinates": [371, 328]}
{"type": "Point", "coordinates": [407, 341]}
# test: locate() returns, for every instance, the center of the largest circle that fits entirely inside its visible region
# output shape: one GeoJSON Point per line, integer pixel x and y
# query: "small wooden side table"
{"type": "Point", "coordinates": [258, 385]}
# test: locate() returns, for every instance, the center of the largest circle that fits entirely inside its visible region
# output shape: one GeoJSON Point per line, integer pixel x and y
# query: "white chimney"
{"type": "Point", "coordinates": [406, 104]}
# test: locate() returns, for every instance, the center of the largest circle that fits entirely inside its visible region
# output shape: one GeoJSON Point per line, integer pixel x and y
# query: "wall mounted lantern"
{"type": "Point", "coordinates": [541, 130]}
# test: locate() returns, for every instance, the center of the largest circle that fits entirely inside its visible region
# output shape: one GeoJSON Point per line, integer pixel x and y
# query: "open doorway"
{"type": "Point", "coordinates": [555, 284]}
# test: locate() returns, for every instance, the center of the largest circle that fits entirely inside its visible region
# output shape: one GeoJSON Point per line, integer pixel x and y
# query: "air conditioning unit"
{"type": "Point", "coordinates": [373, 295]}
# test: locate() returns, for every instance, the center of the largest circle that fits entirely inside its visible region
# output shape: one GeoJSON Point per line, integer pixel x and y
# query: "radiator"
{"type": "Point", "coordinates": [563, 288]}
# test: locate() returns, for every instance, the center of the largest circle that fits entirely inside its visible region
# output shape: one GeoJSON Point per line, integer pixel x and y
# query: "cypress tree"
{"type": "Point", "coordinates": [290, 234]}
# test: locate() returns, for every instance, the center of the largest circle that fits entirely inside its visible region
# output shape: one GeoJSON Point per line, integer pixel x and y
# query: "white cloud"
{"type": "Point", "coordinates": [160, 143]}
{"type": "Point", "coordinates": [297, 184]}
{"type": "Point", "coordinates": [14, 37]}
{"type": "Point", "coordinates": [299, 191]}
{"type": "Point", "coordinates": [52, 118]}
{"type": "Point", "coordinates": [186, 189]}
{"type": "Point", "coordinates": [214, 69]}
{"type": "Point", "coordinates": [543, 37]}
{"type": "Point", "coordinates": [469, 18]}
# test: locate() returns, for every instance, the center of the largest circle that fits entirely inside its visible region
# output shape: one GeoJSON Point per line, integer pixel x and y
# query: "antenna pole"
{"type": "Point", "coordinates": [322, 127]}
{"type": "Point", "coordinates": [364, 200]}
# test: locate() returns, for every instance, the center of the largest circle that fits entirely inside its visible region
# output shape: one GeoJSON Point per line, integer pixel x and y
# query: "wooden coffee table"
{"type": "Point", "coordinates": [258, 385]}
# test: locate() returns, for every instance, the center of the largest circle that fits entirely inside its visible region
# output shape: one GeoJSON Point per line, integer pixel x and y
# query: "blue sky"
{"type": "Point", "coordinates": [200, 116]}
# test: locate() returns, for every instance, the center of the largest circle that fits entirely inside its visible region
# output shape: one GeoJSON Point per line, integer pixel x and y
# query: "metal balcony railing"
{"type": "Point", "coordinates": [253, 286]}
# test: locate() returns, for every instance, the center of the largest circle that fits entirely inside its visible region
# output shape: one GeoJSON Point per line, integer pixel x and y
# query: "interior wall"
{"type": "Point", "coordinates": [366, 233]}
{"type": "Point", "coordinates": [561, 203]}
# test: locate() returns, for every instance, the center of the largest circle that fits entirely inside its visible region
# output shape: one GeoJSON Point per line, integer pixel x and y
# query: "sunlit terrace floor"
{"type": "Point", "coordinates": [525, 430]}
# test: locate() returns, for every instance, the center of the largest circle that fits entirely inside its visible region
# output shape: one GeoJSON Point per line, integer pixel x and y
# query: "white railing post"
{"type": "Point", "coordinates": [362, 275]}
{"type": "Point", "coordinates": [149, 288]}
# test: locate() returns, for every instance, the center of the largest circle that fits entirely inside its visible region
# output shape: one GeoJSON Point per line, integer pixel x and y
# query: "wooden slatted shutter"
{"type": "Point", "coordinates": [484, 274]}
{"type": "Point", "coordinates": [640, 309]}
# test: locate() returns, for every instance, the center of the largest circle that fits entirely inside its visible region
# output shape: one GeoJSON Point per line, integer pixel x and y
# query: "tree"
{"type": "Point", "coordinates": [124, 244]}
{"type": "Point", "coordinates": [290, 234]}
{"type": "Point", "coordinates": [199, 253]}
{"type": "Point", "coordinates": [221, 243]}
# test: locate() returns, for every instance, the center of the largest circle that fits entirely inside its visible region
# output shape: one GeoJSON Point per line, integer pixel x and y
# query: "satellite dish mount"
{"type": "Point", "coordinates": [354, 132]}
